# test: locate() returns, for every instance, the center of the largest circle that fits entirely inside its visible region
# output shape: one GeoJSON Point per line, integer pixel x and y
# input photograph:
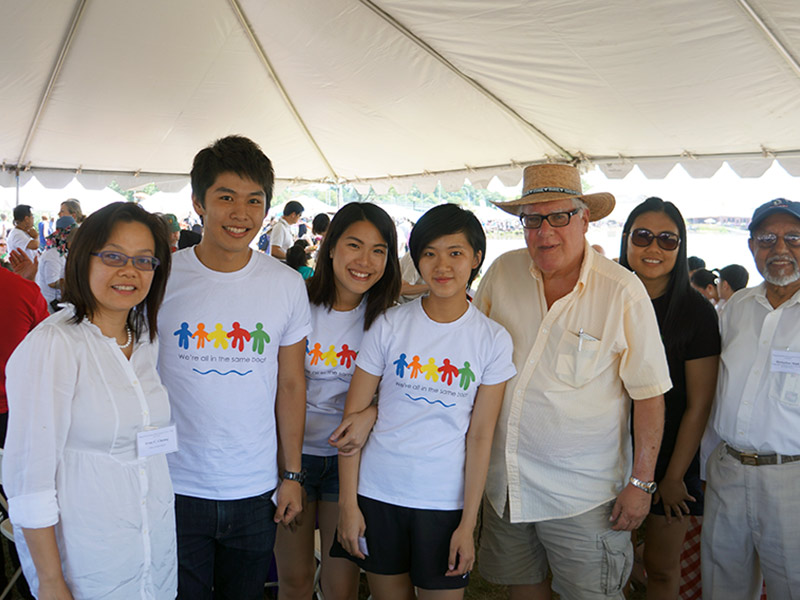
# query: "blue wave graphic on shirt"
{"type": "Point", "coordinates": [225, 373]}
{"type": "Point", "coordinates": [429, 402]}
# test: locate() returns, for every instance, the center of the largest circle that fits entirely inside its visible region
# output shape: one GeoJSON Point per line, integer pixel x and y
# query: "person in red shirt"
{"type": "Point", "coordinates": [22, 307]}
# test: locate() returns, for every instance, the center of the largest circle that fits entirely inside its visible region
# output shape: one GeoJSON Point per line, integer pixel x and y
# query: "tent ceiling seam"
{"type": "Point", "coordinates": [281, 89]}
{"type": "Point", "coordinates": [779, 46]}
{"type": "Point", "coordinates": [62, 55]}
{"type": "Point", "coordinates": [469, 80]}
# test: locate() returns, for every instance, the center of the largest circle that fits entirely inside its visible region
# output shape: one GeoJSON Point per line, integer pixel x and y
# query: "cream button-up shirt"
{"type": "Point", "coordinates": [562, 444]}
{"type": "Point", "coordinates": [757, 405]}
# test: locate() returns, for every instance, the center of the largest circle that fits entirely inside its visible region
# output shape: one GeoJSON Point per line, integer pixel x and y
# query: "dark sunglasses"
{"type": "Point", "coordinates": [768, 240]}
{"type": "Point", "coordinates": [118, 259]}
{"type": "Point", "coordinates": [644, 237]}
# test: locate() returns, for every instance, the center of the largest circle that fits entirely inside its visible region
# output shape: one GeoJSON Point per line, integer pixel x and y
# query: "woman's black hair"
{"type": "Point", "coordinates": [296, 256]}
{"type": "Point", "coordinates": [447, 219]}
{"type": "Point", "coordinates": [677, 328]}
{"type": "Point", "coordinates": [382, 295]}
{"type": "Point", "coordinates": [320, 224]}
{"type": "Point", "coordinates": [92, 235]}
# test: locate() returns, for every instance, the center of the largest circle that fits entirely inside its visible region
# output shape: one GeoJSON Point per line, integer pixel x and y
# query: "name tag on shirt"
{"type": "Point", "coordinates": [784, 361]}
{"type": "Point", "coordinates": [157, 441]}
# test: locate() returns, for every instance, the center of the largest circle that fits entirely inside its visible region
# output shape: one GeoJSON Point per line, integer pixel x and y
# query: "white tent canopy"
{"type": "Point", "coordinates": [393, 91]}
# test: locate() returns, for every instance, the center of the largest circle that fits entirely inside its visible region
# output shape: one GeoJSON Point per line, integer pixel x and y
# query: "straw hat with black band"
{"type": "Point", "coordinates": [550, 182]}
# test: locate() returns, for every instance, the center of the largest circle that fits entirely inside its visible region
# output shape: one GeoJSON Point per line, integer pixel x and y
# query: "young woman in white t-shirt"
{"type": "Point", "coordinates": [409, 500]}
{"type": "Point", "coordinates": [357, 278]}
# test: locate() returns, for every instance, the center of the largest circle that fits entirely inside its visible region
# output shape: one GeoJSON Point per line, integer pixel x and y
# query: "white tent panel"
{"type": "Point", "coordinates": [390, 89]}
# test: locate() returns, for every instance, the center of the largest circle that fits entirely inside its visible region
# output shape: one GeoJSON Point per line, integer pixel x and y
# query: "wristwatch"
{"type": "Point", "coordinates": [647, 486]}
{"type": "Point", "coordinates": [299, 477]}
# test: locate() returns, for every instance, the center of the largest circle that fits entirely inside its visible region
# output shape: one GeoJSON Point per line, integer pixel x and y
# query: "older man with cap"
{"type": "Point", "coordinates": [751, 526]}
{"type": "Point", "coordinates": [565, 487]}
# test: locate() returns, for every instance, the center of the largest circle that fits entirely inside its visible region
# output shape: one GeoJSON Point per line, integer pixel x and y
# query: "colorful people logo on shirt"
{"type": "Point", "coordinates": [236, 337]}
{"type": "Point", "coordinates": [448, 372]}
{"type": "Point", "coordinates": [331, 358]}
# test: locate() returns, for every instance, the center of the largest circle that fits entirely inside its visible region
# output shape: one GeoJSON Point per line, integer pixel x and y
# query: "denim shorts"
{"type": "Point", "coordinates": [322, 477]}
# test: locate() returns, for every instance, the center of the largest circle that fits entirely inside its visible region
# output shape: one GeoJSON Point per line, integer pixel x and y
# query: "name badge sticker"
{"type": "Point", "coordinates": [157, 441]}
{"type": "Point", "coordinates": [784, 361]}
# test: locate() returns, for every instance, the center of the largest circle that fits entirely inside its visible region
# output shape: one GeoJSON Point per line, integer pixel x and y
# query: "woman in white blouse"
{"type": "Point", "coordinates": [84, 468]}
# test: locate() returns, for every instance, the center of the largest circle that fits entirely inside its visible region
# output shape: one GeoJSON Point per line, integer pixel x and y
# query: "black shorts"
{"type": "Point", "coordinates": [407, 540]}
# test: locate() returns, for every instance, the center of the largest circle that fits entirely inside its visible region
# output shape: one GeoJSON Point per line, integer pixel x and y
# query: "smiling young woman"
{"type": "Point", "coordinates": [357, 278]}
{"type": "Point", "coordinates": [421, 474]}
{"type": "Point", "coordinates": [654, 247]}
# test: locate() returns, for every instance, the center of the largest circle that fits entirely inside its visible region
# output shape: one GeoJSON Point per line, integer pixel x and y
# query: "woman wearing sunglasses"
{"type": "Point", "coordinates": [654, 247]}
{"type": "Point", "coordinates": [89, 490]}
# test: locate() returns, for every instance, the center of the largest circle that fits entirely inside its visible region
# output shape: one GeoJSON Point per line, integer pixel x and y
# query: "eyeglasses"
{"type": "Point", "coordinates": [118, 259]}
{"type": "Point", "coordinates": [556, 219]}
{"type": "Point", "coordinates": [644, 237]}
{"type": "Point", "coordinates": [768, 240]}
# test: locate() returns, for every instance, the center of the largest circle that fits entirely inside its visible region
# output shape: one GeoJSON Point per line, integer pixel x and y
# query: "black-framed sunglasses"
{"type": "Point", "coordinates": [666, 240]}
{"type": "Point", "coordinates": [768, 240]}
{"type": "Point", "coordinates": [111, 258]}
{"type": "Point", "coordinates": [556, 219]}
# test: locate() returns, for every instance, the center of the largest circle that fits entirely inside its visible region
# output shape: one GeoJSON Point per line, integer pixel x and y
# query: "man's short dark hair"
{"type": "Point", "coordinates": [320, 224]}
{"type": "Point", "coordinates": [695, 262]}
{"type": "Point", "coordinates": [703, 278]}
{"type": "Point", "coordinates": [21, 211]}
{"type": "Point", "coordinates": [232, 154]}
{"type": "Point", "coordinates": [736, 276]}
{"type": "Point", "coordinates": [293, 206]}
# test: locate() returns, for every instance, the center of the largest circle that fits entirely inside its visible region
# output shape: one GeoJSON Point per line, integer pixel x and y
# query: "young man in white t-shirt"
{"type": "Point", "coordinates": [232, 341]}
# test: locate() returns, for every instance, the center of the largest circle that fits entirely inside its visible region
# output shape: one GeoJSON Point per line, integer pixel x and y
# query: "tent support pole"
{"type": "Point", "coordinates": [469, 80]}
{"type": "Point", "coordinates": [779, 46]}
{"type": "Point", "coordinates": [76, 18]}
{"type": "Point", "coordinates": [284, 94]}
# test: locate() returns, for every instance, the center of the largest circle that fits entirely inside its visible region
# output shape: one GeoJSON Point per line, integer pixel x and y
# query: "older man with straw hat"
{"type": "Point", "coordinates": [565, 487]}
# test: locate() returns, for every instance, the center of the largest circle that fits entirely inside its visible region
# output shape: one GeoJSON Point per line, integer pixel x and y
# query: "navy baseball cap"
{"type": "Point", "coordinates": [779, 205]}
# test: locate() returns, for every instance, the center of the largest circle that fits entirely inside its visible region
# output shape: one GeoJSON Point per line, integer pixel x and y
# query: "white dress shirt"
{"type": "Point", "coordinates": [51, 269]}
{"type": "Point", "coordinates": [757, 408]}
{"type": "Point", "coordinates": [76, 405]}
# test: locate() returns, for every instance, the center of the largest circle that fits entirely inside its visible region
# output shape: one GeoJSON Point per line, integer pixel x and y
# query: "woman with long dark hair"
{"type": "Point", "coordinates": [654, 247]}
{"type": "Point", "coordinates": [89, 490]}
{"type": "Point", "coordinates": [357, 278]}
{"type": "Point", "coordinates": [410, 498]}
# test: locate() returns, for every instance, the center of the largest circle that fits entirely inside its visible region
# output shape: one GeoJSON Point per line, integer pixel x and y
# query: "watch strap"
{"type": "Point", "coordinates": [298, 476]}
{"type": "Point", "coordinates": [646, 486]}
